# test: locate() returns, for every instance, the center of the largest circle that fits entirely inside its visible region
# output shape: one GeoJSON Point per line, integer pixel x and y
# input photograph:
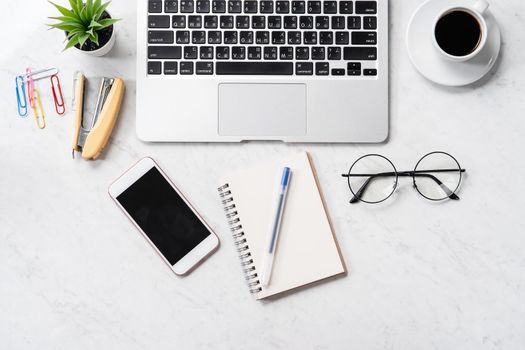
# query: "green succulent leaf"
{"type": "Point", "coordinates": [82, 21]}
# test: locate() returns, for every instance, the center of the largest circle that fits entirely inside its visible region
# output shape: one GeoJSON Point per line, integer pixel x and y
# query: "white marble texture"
{"type": "Point", "coordinates": [74, 274]}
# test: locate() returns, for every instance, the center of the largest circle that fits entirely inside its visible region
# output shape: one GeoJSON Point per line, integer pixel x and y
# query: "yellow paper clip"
{"type": "Point", "coordinates": [38, 110]}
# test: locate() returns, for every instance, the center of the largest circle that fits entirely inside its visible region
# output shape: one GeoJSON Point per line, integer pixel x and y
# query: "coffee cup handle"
{"type": "Point", "coordinates": [481, 6]}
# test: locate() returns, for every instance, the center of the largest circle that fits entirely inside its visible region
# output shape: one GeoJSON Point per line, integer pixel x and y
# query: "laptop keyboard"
{"type": "Point", "coordinates": [301, 38]}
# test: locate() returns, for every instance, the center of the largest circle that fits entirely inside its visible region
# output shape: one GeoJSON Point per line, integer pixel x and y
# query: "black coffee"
{"type": "Point", "coordinates": [458, 33]}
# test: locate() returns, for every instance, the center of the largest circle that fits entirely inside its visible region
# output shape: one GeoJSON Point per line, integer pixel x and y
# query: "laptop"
{"type": "Point", "coordinates": [292, 71]}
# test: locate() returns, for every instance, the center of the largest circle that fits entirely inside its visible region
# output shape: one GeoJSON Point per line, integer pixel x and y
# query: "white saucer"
{"type": "Point", "coordinates": [431, 64]}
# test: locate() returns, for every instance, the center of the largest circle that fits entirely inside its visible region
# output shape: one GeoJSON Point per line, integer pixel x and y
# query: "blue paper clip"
{"type": "Point", "coordinates": [21, 96]}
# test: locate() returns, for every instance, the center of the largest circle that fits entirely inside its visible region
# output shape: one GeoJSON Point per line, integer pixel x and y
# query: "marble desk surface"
{"type": "Point", "coordinates": [74, 273]}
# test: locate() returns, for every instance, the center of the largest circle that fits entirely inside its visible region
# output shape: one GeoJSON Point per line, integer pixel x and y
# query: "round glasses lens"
{"type": "Point", "coordinates": [437, 176]}
{"type": "Point", "coordinates": [372, 179]}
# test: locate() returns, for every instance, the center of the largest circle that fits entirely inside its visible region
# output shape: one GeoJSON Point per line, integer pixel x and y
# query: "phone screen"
{"type": "Point", "coordinates": [163, 215]}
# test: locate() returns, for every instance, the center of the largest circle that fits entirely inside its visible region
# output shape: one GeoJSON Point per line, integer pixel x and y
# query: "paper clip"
{"type": "Point", "coordinates": [38, 110]}
{"type": "Point", "coordinates": [44, 73]}
{"type": "Point", "coordinates": [30, 86]}
{"type": "Point", "coordinates": [21, 99]}
{"type": "Point", "coordinates": [57, 95]}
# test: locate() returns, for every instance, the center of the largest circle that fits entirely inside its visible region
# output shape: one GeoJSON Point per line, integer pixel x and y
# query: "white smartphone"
{"type": "Point", "coordinates": [164, 216]}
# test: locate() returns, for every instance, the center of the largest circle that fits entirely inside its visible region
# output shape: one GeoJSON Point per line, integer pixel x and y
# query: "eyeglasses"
{"type": "Point", "coordinates": [373, 178]}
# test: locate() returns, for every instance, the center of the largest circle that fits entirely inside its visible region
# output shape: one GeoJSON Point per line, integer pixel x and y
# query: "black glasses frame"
{"type": "Point", "coordinates": [451, 194]}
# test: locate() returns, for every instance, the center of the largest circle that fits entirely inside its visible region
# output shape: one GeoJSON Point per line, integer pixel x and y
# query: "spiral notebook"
{"type": "Point", "coordinates": [307, 249]}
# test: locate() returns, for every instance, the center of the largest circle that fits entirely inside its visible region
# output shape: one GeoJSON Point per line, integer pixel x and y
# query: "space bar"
{"type": "Point", "coordinates": [254, 68]}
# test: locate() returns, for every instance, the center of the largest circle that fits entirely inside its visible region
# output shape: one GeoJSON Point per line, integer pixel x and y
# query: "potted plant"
{"type": "Point", "coordinates": [88, 26]}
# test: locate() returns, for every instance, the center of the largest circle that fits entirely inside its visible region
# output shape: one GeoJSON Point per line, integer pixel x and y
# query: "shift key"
{"type": "Point", "coordinates": [164, 52]}
{"type": "Point", "coordinates": [360, 53]}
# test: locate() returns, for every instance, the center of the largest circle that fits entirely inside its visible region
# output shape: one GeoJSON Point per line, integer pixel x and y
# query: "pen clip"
{"type": "Point", "coordinates": [21, 100]}
{"type": "Point", "coordinates": [38, 110]}
{"type": "Point", "coordinates": [60, 106]}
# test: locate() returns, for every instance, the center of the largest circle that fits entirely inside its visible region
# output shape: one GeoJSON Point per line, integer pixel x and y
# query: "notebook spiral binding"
{"type": "Point", "coordinates": [239, 239]}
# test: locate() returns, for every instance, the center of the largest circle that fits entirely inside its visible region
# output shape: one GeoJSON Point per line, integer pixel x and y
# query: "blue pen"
{"type": "Point", "coordinates": [270, 253]}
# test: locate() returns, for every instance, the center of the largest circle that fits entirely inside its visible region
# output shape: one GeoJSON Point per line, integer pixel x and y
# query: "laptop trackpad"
{"type": "Point", "coordinates": [262, 109]}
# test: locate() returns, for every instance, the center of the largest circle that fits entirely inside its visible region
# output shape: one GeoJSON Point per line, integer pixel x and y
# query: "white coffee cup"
{"type": "Point", "coordinates": [476, 10]}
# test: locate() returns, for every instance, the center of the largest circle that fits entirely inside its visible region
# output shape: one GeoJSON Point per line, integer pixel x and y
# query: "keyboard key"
{"type": "Point", "coordinates": [322, 68]}
{"type": "Point", "coordinates": [242, 22]}
{"type": "Point", "coordinates": [246, 37]}
{"type": "Point", "coordinates": [290, 22]}
{"type": "Point", "coordinates": [298, 7]}
{"type": "Point", "coordinates": [154, 67]}
{"type": "Point", "coordinates": [314, 6]}
{"type": "Point", "coordinates": [353, 68]}
{"type": "Point", "coordinates": [258, 22]}
{"type": "Point", "coordinates": [254, 68]}
{"type": "Point", "coordinates": [204, 68]}
{"type": "Point", "coordinates": [304, 68]}
{"type": "Point", "coordinates": [187, 6]}
{"type": "Point", "coordinates": [230, 37]}
{"type": "Point", "coordinates": [211, 22]}
{"type": "Point", "coordinates": [198, 37]}
{"type": "Point", "coordinates": [282, 6]}
{"type": "Point", "coordinates": [262, 37]}
{"type": "Point", "coordinates": [322, 22]}
{"type": "Point", "coordinates": [218, 6]}
{"type": "Point", "coordinates": [194, 22]}
{"type": "Point", "coordinates": [156, 21]}
{"type": "Point", "coordinates": [338, 22]}
{"type": "Point", "coordinates": [155, 6]}
{"type": "Point", "coordinates": [369, 22]}
{"type": "Point", "coordinates": [222, 53]}
{"type": "Point", "coordinates": [342, 38]}
{"type": "Point", "coordinates": [238, 52]}
{"type": "Point", "coordinates": [206, 52]}
{"type": "Point", "coordinates": [182, 37]}
{"type": "Point", "coordinates": [171, 6]}
{"type": "Point", "coordinates": [226, 22]}
{"type": "Point", "coordinates": [214, 37]}
{"type": "Point", "coordinates": [306, 22]}
{"type": "Point", "coordinates": [250, 7]}
{"type": "Point", "coordinates": [310, 38]}
{"type": "Point", "coordinates": [270, 53]}
{"type": "Point", "coordinates": [274, 22]}
{"type": "Point", "coordinates": [326, 38]}
{"type": "Point", "coordinates": [345, 7]}
{"type": "Point", "coordinates": [164, 52]}
{"type": "Point", "coordinates": [365, 7]}
{"type": "Point", "coordinates": [179, 22]}
{"type": "Point", "coordinates": [330, 7]}
{"type": "Point", "coordinates": [286, 53]}
{"type": "Point", "coordinates": [294, 38]}
{"type": "Point", "coordinates": [254, 53]}
{"type": "Point", "coordinates": [318, 53]}
{"type": "Point", "coordinates": [334, 53]}
{"type": "Point", "coordinates": [203, 6]}
{"type": "Point", "coordinates": [302, 53]}
{"type": "Point", "coordinates": [266, 6]}
{"type": "Point", "coordinates": [278, 38]}
{"type": "Point", "coordinates": [336, 71]}
{"type": "Point", "coordinates": [364, 38]}
{"type": "Point", "coordinates": [235, 6]}
{"type": "Point", "coordinates": [186, 68]}
{"type": "Point", "coordinates": [190, 52]}
{"type": "Point", "coordinates": [354, 22]}
{"type": "Point", "coordinates": [160, 37]}
{"type": "Point", "coordinates": [360, 53]}
{"type": "Point", "coordinates": [170, 68]}
{"type": "Point", "coordinates": [369, 72]}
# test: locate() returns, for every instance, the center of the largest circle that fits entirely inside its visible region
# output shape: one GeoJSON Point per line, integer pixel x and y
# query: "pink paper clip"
{"type": "Point", "coordinates": [30, 86]}
{"type": "Point", "coordinates": [60, 106]}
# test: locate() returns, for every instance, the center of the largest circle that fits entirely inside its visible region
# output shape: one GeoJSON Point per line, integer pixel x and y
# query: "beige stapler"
{"type": "Point", "coordinates": [91, 140]}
